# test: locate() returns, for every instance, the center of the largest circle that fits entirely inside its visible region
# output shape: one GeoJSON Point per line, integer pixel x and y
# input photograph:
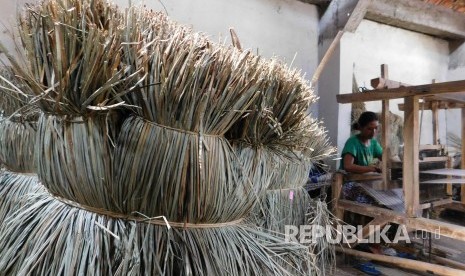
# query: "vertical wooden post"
{"type": "Point", "coordinates": [434, 110]}
{"type": "Point", "coordinates": [336, 188]}
{"type": "Point", "coordinates": [385, 122]}
{"type": "Point", "coordinates": [462, 164]}
{"type": "Point", "coordinates": [410, 174]}
{"type": "Point", "coordinates": [449, 189]}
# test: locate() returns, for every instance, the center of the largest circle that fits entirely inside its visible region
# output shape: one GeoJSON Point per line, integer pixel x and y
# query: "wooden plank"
{"type": "Point", "coordinates": [445, 181]}
{"type": "Point", "coordinates": [418, 16]}
{"type": "Point", "coordinates": [386, 125]}
{"type": "Point", "coordinates": [449, 189]}
{"type": "Point", "coordinates": [336, 188]}
{"type": "Point", "coordinates": [436, 203]}
{"type": "Point", "coordinates": [448, 262]}
{"type": "Point", "coordinates": [435, 122]}
{"type": "Point", "coordinates": [405, 263]}
{"type": "Point", "coordinates": [429, 225]}
{"type": "Point", "coordinates": [427, 105]}
{"type": "Point", "coordinates": [382, 83]}
{"type": "Point", "coordinates": [434, 159]}
{"type": "Point", "coordinates": [452, 172]}
{"type": "Point", "coordinates": [432, 147]}
{"type": "Point", "coordinates": [410, 173]}
{"type": "Point", "coordinates": [402, 92]}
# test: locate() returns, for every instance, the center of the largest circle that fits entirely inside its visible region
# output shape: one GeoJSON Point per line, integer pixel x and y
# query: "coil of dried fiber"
{"type": "Point", "coordinates": [17, 144]}
{"type": "Point", "coordinates": [88, 243]}
{"type": "Point", "coordinates": [75, 158]}
{"type": "Point", "coordinates": [200, 174]}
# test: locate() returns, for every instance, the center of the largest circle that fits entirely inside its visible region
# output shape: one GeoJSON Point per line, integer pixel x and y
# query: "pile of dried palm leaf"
{"type": "Point", "coordinates": [163, 182]}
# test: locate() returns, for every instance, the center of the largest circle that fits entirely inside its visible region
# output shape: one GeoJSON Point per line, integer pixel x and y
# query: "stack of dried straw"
{"type": "Point", "coordinates": [154, 145]}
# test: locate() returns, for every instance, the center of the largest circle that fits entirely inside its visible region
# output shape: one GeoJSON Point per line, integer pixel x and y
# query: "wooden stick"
{"type": "Point", "coordinates": [325, 59]}
{"type": "Point", "coordinates": [405, 263]}
{"type": "Point", "coordinates": [450, 263]}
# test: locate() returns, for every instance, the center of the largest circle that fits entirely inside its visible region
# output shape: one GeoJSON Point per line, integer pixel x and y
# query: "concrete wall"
{"type": "Point", "coordinates": [8, 11]}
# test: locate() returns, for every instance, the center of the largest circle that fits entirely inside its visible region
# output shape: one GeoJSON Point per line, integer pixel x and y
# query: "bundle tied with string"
{"type": "Point", "coordinates": [175, 148]}
{"type": "Point", "coordinates": [286, 200]}
{"type": "Point", "coordinates": [111, 185]}
{"type": "Point", "coordinates": [18, 128]}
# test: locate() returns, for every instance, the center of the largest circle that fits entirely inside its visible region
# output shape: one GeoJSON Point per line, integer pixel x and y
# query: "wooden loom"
{"type": "Point", "coordinates": [435, 96]}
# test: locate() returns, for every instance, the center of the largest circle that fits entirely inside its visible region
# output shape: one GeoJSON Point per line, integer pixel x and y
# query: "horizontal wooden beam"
{"type": "Point", "coordinates": [418, 16]}
{"type": "Point", "coordinates": [405, 263]}
{"type": "Point", "coordinates": [442, 105]}
{"type": "Point", "coordinates": [381, 83]}
{"type": "Point", "coordinates": [429, 225]}
{"type": "Point", "coordinates": [402, 92]}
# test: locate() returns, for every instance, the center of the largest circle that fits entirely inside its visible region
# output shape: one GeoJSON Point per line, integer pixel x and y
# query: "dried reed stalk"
{"type": "Point", "coordinates": [325, 252]}
{"type": "Point", "coordinates": [82, 242]}
{"type": "Point", "coordinates": [190, 83]}
{"type": "Point", "coordinates": [14, 188]}
{"type": "Point", "coordinates": [17, 145]}
{"type": "Point", "coordinates": [75, 158]}
{"type": "Point", "coordinates": [200, 174]}
{"type": "Point", "coordinates": [282, 207]}
{"type": "Point", "coordinates": [278, 113]}
{"type": "Point", "coordinates": [72, 54]}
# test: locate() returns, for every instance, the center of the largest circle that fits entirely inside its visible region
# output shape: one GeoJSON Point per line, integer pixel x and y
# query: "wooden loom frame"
{"type": "Point", "coordinates": [435, 96]}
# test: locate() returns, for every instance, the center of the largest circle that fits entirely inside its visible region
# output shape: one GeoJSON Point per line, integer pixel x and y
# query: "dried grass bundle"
{"type": "Point", "coordinates": [17, 145]}
{"type": "Point", "coordinates": [14, 188]}
{"type": "Point", "coordinates": [75, 158]}
{"type": "Point", "coordinates": [200, 175]}
{"type": "Point", "coordinates": [282, 207]}
{"type": "Point", "coordinates": [278, 113]}
{"type": "Point", "coordinates": [190, 83]}
{"type": "Point", "coordinates": [319, 214]}
{"type": "Point", "coordinates": [82, 242]}
{"type": "Point", "coordinates": [12, 96]}
{"type": "Point", "coordinates": [73, 55]}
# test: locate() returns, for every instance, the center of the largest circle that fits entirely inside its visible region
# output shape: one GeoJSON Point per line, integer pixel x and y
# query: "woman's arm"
{"type": "Point", "coordinates": [349, 166]}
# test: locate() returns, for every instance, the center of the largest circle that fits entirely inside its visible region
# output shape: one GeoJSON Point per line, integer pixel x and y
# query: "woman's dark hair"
{"type": "Point", "coordinates": [365, 118]}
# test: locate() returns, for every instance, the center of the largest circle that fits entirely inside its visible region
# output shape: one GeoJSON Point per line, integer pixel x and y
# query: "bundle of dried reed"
{"type": "Point", "coordinates": [72, 54]}
{"type": "Point", "coordinates": [88, 243]}
{"type": "Point", "coordinates": [85, 58]}
{"type": "Point", "coordinates": [17, 143]}
{"type": "Point", "coordinates": [201, 175]}
{"type": "Point", "coordinates": [14, 189]}
{"type": "Point", "coordinates": [325, 252]}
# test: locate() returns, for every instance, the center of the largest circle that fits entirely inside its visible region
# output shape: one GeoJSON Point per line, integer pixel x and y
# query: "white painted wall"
{"type": "Point", "coordinates": [412, 58]}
